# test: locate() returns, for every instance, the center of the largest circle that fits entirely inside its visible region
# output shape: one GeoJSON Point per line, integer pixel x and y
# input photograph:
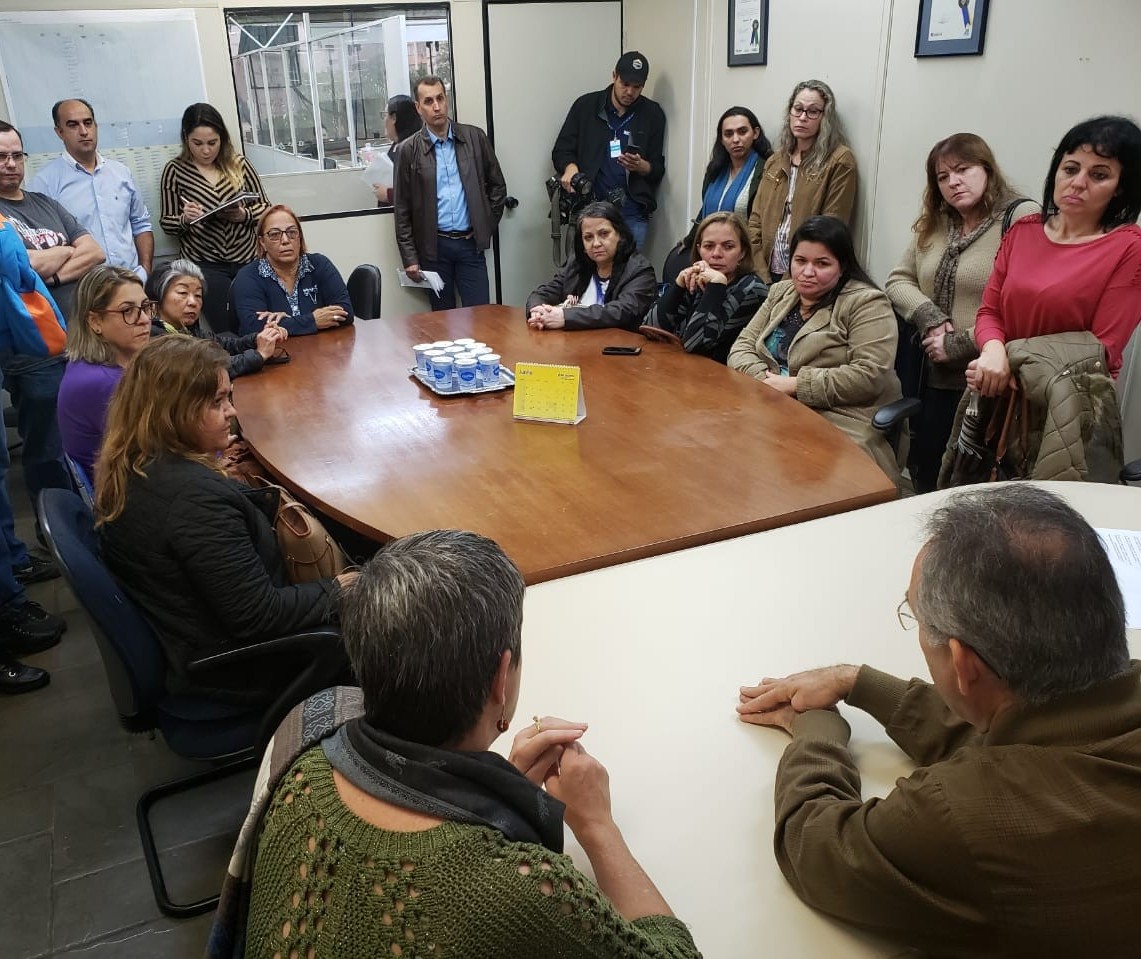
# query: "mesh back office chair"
{"type": "Point", "coordinates": [193, 727]}
{"type": "Point", "coordinates": [364, 291]}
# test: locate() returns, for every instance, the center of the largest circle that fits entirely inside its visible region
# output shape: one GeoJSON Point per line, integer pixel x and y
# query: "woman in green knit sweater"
{"type": "Point", "coordinates": [938, 285]}
{"type": "Point", "coordinates": [401, 835]}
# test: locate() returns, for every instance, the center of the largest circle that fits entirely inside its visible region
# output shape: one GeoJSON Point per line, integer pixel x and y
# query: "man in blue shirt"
{"type": "Point", "coordinates": [616, 139]}
{"type": "Point", "coordinates": [98, 191]}
{"type": "Point", "coordinates": [448, 196]}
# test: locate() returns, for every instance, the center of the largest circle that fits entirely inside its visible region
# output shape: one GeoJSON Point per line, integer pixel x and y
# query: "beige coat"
{"type": "Point", "coordinates": [843, 359]}
{"type": "Point", "coordinates": [830, 191]}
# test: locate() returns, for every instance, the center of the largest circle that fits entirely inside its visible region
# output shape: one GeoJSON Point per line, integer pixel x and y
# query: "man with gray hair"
{"type": "Point", "coordinates": [1020, 832]}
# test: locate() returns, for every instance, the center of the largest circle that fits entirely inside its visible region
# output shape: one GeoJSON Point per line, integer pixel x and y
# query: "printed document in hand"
{"type": "Point", "coordinates": [239, 198]}
{"type": "Point", "coordinates": [1124, 549]}
{"type": "Point", "coordinates": [431, 281]}
{"type": "Point", "coordinates": [379, 172]}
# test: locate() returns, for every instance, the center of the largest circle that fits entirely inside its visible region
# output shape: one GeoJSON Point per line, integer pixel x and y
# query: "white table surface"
{"type": "Point", "coordinates": [651, 654]}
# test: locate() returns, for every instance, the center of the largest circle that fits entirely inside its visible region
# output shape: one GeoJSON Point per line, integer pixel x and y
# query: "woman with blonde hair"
{"type": "Point", "coordinates": [111, 322]}
{"type": "Point", "coordinates": [288, 285]}
{"type": "Point", "coordinates": [195, 549]}
{"type": "Point", "coordinates": [938, 286]}
{"type": "Point", "coordinates": [208, 175]}
{"type": "Point", "coordinates": [812, 172]}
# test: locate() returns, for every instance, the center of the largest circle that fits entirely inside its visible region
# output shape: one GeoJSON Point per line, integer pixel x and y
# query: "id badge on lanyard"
{"type": "Point", "coordinates": [615, 148]}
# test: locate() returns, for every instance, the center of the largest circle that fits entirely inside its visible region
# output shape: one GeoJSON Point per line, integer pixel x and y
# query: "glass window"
{"type": "Point", "coordinates": [313, 86]}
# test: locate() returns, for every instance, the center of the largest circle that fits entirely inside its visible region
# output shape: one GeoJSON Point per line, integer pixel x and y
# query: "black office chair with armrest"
{"type": "Point", "coordinates": [909, 358]}
{"type": "Point", "coordinates": [193, 727]}
{"type": "Point", "coordinates": [364, 291]}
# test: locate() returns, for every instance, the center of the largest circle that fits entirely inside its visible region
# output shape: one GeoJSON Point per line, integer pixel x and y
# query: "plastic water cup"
{"type": "Point", "coordinates": [476, 345]}
{"type": "Point", "coordinates": [454, 350]}
{"type": "Point", "coordinates": [430, 358]}
{"type": "Point", "coordinates": [479, 350]}
{"type": "Point", "coordinates": [465, 374]}
{"type": "Point", "coordinates": [464, 341]}
{"type": "Point", "coordinates": [442, 368]}
{"type": "Point", "coordinates": [442, 344]}
{"type": "Point", "coordinates": [489, 368]}
{"type": "Point", "coordinates": [419, 350]}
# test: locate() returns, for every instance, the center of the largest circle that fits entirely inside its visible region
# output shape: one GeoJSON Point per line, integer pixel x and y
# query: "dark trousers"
{"type": "Point", "coordinates": [463, 268]}
{"type": "Point", "coordinates": [930, 435]}
{"type": "Point", "coordinates": [216, 300]}
{"type": "Point", "coordinates": [33, 382]}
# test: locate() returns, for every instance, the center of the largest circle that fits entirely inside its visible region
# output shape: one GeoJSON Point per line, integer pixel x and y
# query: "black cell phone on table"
{"type": "Point", "coordinates": [621, 350]}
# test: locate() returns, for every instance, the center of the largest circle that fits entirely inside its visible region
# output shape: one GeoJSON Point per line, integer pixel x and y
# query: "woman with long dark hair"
{"type": "Point", "coordinates": [827, 337]}
{"type": "Point", "coordinates": [208, 173]}
{"type": "Point", "coordinates": [604, 282]}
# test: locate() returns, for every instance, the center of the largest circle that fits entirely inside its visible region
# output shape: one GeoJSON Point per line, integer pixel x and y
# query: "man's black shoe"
{"type": "Point", "coordinates": [16, 678]}
{"type": "Point", "coordinates": [29, 628]}
{"type": "Point", "coordinates": [38, 570]}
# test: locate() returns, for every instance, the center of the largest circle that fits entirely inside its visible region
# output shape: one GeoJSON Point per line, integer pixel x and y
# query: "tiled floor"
{"type": "Point", "coordinates": [73, 881]}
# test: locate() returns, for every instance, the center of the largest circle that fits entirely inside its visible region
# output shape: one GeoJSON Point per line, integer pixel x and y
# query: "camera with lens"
{"type": "Point", "coordinates": [569, 203]}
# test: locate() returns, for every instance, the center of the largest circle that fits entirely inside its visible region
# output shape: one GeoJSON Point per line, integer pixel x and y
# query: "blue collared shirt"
{"type": "Point", "coordinates": [106, 202]}
{"type": "Point", "coordinates": [451, 202]}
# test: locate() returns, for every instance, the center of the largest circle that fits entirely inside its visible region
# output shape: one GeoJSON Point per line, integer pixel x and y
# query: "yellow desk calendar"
{"type": "Point", "coordinates": [549, 394]}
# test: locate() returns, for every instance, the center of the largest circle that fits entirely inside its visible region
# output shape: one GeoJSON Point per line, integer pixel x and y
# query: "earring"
{"type": "Point", "coordinates": [502, 725]}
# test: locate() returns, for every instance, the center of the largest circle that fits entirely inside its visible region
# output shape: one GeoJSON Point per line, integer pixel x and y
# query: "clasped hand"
{"type": "Point", "coordinates": [549, 754]}
{"type": "Point", "coordinates": [775, 702]}
{"type": "Point", "coordinates": [934, 342]}
{"type": "Point", "coordinates": [545, 317]}
{"type": "Point", "coordinates": [698, 276]}
{"type": "Point", "coordinates": [271, 336]}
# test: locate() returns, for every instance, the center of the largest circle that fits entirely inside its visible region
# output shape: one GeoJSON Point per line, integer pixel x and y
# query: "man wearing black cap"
{"type": "Point", "coordinates": [615, 138]}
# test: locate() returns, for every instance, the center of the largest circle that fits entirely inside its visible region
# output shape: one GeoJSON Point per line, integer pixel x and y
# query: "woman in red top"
{"type": "Point", "coordinates": [1075, 267]}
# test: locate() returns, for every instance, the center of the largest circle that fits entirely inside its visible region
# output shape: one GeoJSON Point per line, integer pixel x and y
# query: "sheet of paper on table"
{"type": "Point", "coordinates": [1124, 549]}
{"type": "Point", "coordinates": [431, 280]}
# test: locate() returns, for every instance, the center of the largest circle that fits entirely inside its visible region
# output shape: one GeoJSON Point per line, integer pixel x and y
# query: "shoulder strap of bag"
{"type": "Point", "coordinates": [1008, 216]}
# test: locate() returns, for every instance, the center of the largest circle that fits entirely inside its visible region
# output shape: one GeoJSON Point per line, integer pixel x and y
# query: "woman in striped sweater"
{"type": "Point", "coordinates": [205, 175]}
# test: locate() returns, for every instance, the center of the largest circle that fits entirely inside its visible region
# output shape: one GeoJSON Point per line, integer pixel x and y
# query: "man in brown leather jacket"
{"type": "Point", "coordinates": [448, 196]}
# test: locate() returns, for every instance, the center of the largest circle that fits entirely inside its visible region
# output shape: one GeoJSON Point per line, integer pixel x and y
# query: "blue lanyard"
{"type": "Point", "coordinates": [598, 290]}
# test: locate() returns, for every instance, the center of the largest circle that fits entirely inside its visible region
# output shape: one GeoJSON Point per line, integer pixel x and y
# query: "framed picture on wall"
{"type": "Point", "coordinates": [748, 32]}
{"type": "Point", "coordinates": [951, 28]}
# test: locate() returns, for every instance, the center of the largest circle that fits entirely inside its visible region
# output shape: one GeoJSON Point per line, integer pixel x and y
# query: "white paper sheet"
{"type": "Point", "coordinates": [1124, 549]}
{"type": "Point", "coordinates": [431, 281]}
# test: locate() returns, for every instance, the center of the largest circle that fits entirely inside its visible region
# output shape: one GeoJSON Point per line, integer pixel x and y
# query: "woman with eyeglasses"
{"type": "Point", "coordinates": [302, 291]}
{"type": "Point", "coordinates": [206, 177]}
{"type": "Point", "coordinates": [812, 172]}
{"type": "Point", "coordinates": [111, 322]}
{"type": "Point", "coordinates": [177, 290]}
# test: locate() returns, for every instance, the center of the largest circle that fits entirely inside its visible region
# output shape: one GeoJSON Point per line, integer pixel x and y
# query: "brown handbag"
{"type": "Point", "coordinates": [309, 552]}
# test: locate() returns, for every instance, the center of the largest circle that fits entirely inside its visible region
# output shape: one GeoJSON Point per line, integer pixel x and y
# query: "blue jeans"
{"type": "Point", "coordinates": [463, 269]}
{"type": "Point", "coordinates": [639, 226]}
{"type": "Point", "coordinates": [33, 382]}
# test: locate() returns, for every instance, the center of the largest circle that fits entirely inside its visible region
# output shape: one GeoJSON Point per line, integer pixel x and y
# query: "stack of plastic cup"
{"type": "Point", "coordinates": [419, 351]}
{"type": "Point", "coordinates": [465, 373]}
{"type": "Point", "coordinates": [443, 372]}
{"type": "Point", "coordinates": [488, 367]}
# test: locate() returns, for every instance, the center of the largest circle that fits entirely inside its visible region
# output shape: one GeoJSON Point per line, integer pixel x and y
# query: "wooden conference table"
{"type": "Point", "coordinates": [675, 450]}
{"type": "Point", "coordinates": [651, 654]}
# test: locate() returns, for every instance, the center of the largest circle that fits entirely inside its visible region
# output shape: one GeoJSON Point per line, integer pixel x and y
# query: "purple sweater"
{"type": "Point", "coordinates": [84, 394]}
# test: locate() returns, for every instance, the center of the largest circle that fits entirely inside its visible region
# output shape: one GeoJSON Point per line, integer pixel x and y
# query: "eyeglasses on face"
{"type": "Point", "coordinates": [798, 110]}
{"type": "Point", "coordinates": [17, 156]}
{"type": "Point", "coordinates": [274, 236]}
{"type": "Point", "coordinates": [907, 619]}
{"type": "Point", "coordinates": [134, 315]}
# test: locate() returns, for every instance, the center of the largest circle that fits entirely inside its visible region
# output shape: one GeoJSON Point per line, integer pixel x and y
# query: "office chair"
{"type": "Point", "coordinates": [364, 291]}
{"type": "Point", "coordinates": [193, 727]}
{"type": "Point", "coordinates": [909, 356]}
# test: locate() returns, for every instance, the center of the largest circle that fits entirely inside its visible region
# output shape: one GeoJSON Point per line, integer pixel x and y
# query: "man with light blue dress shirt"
{"type": "Point", "coordinates": [98, 191]}
{"type": "Point", "coordinates": [448, 196]}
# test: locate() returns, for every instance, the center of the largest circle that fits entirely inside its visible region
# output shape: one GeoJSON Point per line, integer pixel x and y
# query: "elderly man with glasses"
{"type": "Point", "coordinates": [1018, 833]}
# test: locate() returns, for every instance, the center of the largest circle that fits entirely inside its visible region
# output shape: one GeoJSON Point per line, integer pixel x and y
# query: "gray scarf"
{"type": "Point", "coordinates": [945, 272]}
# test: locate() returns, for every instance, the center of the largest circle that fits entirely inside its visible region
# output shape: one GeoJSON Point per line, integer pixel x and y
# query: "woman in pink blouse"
{"type": "Point", "coordinates": [1077, 266]}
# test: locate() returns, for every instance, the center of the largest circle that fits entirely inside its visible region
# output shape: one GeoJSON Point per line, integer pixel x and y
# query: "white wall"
{"type": "Point", "coordinates": [1047, 64]}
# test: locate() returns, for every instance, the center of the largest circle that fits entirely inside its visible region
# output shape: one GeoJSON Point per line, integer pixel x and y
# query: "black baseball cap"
{"type": "Point", "coordinates": [633, 67]}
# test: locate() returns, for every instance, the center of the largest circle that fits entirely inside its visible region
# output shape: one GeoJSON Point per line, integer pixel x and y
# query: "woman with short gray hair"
{"type": "Point", "coordinates": [179, 289]}
{"type": "Point", "coordinates": [402, 834]}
